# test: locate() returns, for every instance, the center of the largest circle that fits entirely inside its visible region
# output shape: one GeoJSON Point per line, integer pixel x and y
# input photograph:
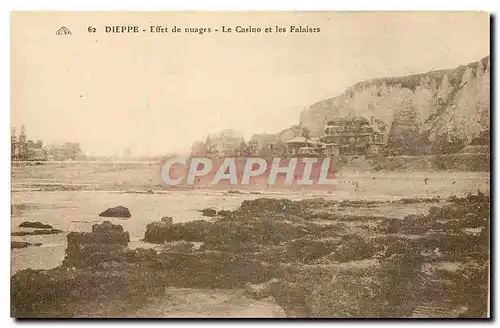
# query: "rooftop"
{"type": "Point", "coordinates": [299, 140]}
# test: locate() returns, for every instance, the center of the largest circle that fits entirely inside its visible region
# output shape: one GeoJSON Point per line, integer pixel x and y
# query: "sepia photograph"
{"type": "Point", "coordinates": [266, 164]}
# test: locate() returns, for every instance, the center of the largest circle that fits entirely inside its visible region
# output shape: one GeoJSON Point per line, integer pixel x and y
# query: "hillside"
{"type": "Point", "coordinates": [433, 112]}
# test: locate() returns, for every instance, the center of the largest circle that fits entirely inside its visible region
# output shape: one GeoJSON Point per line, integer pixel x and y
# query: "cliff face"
{"type": "Point", "coordinates": [450, 106]}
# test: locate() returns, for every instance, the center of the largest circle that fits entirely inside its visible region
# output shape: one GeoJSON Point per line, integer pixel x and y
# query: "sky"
{"type": "Point", "coordinates": [158, 93]}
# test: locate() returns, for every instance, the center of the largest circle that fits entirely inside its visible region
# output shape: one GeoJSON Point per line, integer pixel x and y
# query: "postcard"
{"type": "Point", "coordinates": [250, 164]}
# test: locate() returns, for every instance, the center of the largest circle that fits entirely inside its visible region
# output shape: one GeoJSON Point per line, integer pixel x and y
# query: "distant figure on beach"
{"type": "Point", "coordinates": [426, 180]}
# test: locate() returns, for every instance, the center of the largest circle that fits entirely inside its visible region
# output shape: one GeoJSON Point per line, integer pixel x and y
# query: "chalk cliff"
{"type": "Point", "coordinates": [425, 111]}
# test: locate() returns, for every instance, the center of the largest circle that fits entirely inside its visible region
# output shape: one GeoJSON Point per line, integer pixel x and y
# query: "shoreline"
{"type": "Point", "coordinates": [284, 247]}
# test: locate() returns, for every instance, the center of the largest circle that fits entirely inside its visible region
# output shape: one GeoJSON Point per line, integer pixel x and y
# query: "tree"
{"type": "Point", "coordinates": [253, 146]}
{"type": "Point", "coordinates": [210, 148]}
{"type": "Point", "coordinates": [278, 148]}
{"type": "Point", "coordinates": [243, 149]}
{"type": "Point", "coordinates": [305, 132]}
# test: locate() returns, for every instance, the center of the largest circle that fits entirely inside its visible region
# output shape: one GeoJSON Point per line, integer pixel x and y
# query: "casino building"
{"type": "Point", "coordinates": [353, 136]}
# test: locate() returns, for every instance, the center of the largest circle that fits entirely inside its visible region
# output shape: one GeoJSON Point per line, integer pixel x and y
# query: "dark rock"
{"type": "Point", "coordinates": [180, 246]}
{"type": "Point", "coordinates": [263, 231]}
{"type": "Point", "coordinates": [230, 231]}
{"type": "Point", "coordinates": [307, 250]}
{"type": "Point", "coordinates": [435, 212]}
{"type": "Point", "coordinates": [106, 242]}
{"type": "Point", "coordinates": [262, 205]}
{"type": "Point", "coordinates": [481, 197]}
{"type": "Point", "coordinates": [327, 291]}
{"type": "Point", "coordinates": [473, 283]}
{"type": "Point", "coordinates": [391, 225]}
{"type": "Point", "coordinates": [37, 232]}
{"type": "Point", "coordinates": [37, 225]}
{"type": "Point", "coordinates": [167, 220]}
{"type": "Point", "coordinates": [210, 269]}
{"type": "Point", "coordinates": [225, 213]}
{"type": "Point", "coordinates": [209, 212]}
{"type": "Point", "coordinates": [417, 200]}
{"type": "Point", "coordinates": [399, 278]}
{"type": "Point", "coordinates": [22, 244]}
{"type": "Point", "coordinates": [194, 230]}
{"type": "Point", "coordinates": [234, 247]}
{"type": "Point", "coordinates": [292, 299]}
{"type": "Point", "coordinates": [116, 212]}
{"type": "Point", "coordinates": [101, 291]}
{"type": "Point", "coordinates": [160, 232]}
{"type": "Point", "coordinates": [140, 255]}
{"type": "Point", "coordinates": [353, 248]}
{"type": "Point", "coordinates": [411, 224]}
{"type": "Point", "coordinates": [235, 192]}
{"type": "Point", "coordinates": [251, 246]}
{"type": "Point", "coordinates": [402, 246]}
{"type": "Point", "coordinates": [458, 245]}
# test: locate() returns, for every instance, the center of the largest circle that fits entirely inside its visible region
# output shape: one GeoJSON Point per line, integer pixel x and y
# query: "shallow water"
{"type": "Point", "coordinates": [79, 210]}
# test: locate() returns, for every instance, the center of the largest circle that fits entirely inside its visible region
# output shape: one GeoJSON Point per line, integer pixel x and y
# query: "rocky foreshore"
{"type": "Point", "coordinates": [312, 259]}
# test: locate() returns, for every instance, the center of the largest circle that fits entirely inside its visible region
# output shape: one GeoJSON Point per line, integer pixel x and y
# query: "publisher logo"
{"type": "Point", "coordinates": [231, 171]}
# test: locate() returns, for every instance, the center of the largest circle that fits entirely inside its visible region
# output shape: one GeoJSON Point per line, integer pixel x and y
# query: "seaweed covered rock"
{"type": "Point", "coordinates": [64, 292]}
{"type": "Point", "coordinates": [410, 224]}
{"type": "Point", "coordinates": [167, 219]}
{"type": "Point", "coordinates": [225, 213]}
{"type": "Point", "coordinates": [22, 244]}
{"type": "Point", "coordinates": [209, 212]}
{"type": "Point", "coordinates": [472, 284]}
{"type": "Point", "coordinates": [116, 212]}
{"type": "Point", "coordinates": [36, 225]}
{"type": "Point", "coordinates": [180, 246]}
{"type": "Point", "coordinates": [159, 232]}
{"type": "Point", "coordinates": [139, 255]}
{"type": "Point", "coordinates": [456, 245]}
{"type": "Point", "coordinates": [212, 269]}
{"type": "Point", "coordinates": [329, 291]}
{"type": "Point", "coordinates": [353, 248]}
{"type": "Point", "coordinates": [264, 231]}
{"type": "Point", "coordinates": [307, 250]}
{"type": "Point", "coordinates": [262, 205]}
{"type": "Point", "coordinates": [37, 232]}
{"type": "Point", "coordinates": [106, 242]}
{"type": "Point", "coordinates": [228, 232]}
{"type": "Point", "coordinates": [233, 247]}
{"type": "Point", "coordinates": [400, 278]}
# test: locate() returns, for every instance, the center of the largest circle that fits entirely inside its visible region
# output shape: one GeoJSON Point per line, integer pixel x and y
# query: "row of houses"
{"type": "Point", "coordinates": [350, 136]}
{"type": "Point", "coordinates": [23, 149]}
{"type": "Point", "coordinates": [226, 143]}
